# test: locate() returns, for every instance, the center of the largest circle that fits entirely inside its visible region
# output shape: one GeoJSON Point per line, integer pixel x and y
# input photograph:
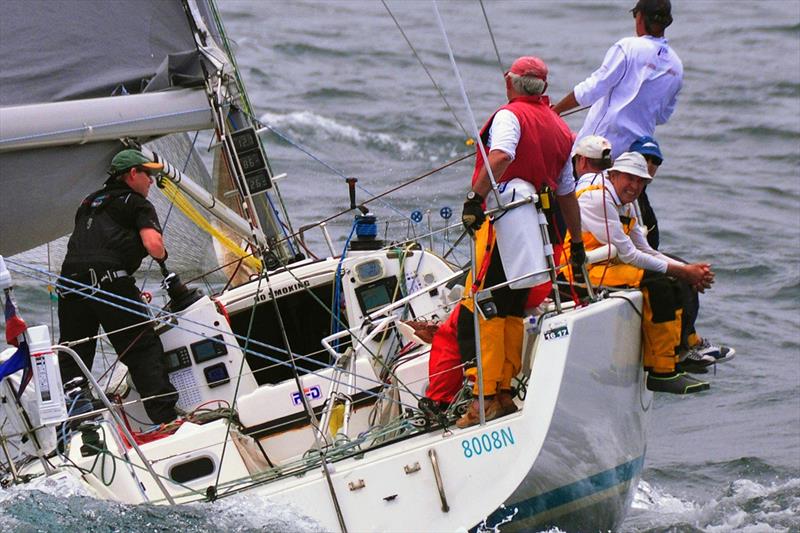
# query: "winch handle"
{"type": "Point", "coordinates": [351, 187]}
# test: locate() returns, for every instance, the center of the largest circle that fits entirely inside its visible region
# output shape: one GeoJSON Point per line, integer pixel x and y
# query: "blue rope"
{"type": "Point", "coordinates": [337, 286]}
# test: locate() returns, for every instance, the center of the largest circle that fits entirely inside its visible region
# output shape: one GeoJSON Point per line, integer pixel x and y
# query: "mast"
{"type": "Point", "coordinates": [246, 167]}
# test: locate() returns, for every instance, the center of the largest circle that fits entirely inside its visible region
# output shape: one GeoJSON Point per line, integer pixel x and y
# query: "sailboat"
{"type": "Point", "coordinates": [299, 381]}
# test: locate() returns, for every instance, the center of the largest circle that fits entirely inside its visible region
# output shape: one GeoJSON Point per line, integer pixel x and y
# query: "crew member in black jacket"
{"type": "Point", "coordinates": [115, 228]}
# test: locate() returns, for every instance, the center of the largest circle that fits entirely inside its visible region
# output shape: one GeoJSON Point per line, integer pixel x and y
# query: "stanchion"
{"type": "Point", "coordinates": [476, 324]}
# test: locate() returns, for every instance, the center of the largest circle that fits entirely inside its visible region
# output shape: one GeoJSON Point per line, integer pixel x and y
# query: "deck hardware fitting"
{"type": "Point", "coordinates": [410, 469]}
{"type": "Point", "coordinates": [356, 485]}
{"type": "Point", "coordinates": [438, 475]}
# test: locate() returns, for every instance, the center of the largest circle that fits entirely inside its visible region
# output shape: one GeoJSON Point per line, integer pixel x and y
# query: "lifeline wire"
{"type": "Point", "coordinates": [166, 317]}
{"type": "Point", "coordinates": [428, 72]}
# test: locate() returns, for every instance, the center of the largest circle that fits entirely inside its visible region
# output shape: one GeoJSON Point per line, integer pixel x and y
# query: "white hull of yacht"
{"type": "Point", "coordinates": [571, 455]}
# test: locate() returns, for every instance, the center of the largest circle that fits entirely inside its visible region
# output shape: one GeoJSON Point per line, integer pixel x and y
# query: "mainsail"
{"type": "Point", "coordinates": [97, 72]}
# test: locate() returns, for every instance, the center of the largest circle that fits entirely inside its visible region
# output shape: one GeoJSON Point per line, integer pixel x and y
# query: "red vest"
{"type": "Point", "coordinates": [544, 145]}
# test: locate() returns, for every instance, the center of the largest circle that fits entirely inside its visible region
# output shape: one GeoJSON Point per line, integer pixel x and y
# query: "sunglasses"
{"type": "Point", "coordinates": [653, 159]}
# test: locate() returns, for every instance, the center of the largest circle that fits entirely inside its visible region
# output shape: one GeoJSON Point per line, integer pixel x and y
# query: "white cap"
{"type": "Point", "coordinates": [593, 147]}
{"type": "Point", "coordinates": [632, 163]}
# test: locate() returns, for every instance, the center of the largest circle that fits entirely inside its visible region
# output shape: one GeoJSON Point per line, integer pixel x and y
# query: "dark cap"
{"type": "Point", "coordinates": [130, 158]}
{"type": "Point", "coordinates": [655, 11]}
{"type": "Point", "coordinates": [646, 145]}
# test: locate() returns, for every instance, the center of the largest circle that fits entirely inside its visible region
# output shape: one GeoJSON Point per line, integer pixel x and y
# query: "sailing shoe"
{"type": "Point", "coordinates": [694, 362]}
{"type": "Point", "coordinates": [472, 417]}
{"type": "Point", "coordinates": [506, 401]}
{"type": "Point", "coordinates": [707, 350]}
{"type": "Point", "coordinates": [675, 383]}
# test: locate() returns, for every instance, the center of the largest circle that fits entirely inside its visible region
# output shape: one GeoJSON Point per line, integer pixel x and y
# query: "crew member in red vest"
{"type": "Point", "coordinates": [528, 148]}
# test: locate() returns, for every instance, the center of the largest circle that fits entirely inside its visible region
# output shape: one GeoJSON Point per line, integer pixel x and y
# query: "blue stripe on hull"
{"type": "Point", "coordinates": [573, 492]}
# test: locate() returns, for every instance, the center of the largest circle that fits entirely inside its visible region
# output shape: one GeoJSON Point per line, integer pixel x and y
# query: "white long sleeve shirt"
{"type": "Point", "coordinates": [600, 212]}
{"type": "Point", "coordinates": [634, 89]}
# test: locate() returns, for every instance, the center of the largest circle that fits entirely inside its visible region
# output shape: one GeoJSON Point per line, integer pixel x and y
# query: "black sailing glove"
{"type": "Point", "coordinates": [472, 215]}
{"type": "Point", "coordinates": [577, 258]}
{"type": "Point", "coordinates": [162, 264]}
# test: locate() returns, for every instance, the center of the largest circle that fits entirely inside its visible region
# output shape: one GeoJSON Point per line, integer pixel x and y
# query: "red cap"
{"type": "Point", "coordinates": [529, 66]}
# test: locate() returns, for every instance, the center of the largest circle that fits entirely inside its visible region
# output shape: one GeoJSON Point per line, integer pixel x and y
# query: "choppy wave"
{"type": "Point", "coordinates": [61, 504]}
{"type": "Point", "coordinates": [299, 49]}
{"type": "Point", "coordinates": [761, 132]}
{"type": "Point", "coordinates": [742, 505]}
{"type": "Point", "coordinates": [332, 93]}
{"type": "Point", "coordinates": [306, 126]}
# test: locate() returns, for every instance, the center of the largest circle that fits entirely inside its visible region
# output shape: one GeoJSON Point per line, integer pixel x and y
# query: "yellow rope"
{"type": "Point", "coordinates": [175, 196]}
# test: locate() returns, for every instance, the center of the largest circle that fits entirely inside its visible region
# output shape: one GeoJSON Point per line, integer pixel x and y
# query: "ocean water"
{"type": "Point", "coordinates": [338, 79]}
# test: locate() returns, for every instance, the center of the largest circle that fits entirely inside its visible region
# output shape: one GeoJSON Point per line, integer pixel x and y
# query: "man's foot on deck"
{"type": "Point", "coordinates": [492, 409]}
{"type": "Point", "coordinates": [506, 401]}
{"type": "Point", "coordinates": [675, 383]}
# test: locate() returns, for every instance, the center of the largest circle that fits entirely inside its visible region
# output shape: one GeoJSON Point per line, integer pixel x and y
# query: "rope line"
{"type": "Point", "coordinates": [428, 72]}
{"type": "Point", "coordinates": [336, 171]}
{"type": "Point", "coordinates": [494, 43]}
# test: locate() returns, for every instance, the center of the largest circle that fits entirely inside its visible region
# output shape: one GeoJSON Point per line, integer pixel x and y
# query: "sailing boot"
{"type": "Point", "coordinates": [675, 383]}
{"type": "Point", "coordinates": [472, 417]}
{"type": "Point", "coordinates": [506, 400]}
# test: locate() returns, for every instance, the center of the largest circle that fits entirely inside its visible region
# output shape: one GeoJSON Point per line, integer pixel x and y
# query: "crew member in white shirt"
{"type": "Point", "coordinates": [608, 217]}
{"type": "Point", "coordinates": [636, 87]}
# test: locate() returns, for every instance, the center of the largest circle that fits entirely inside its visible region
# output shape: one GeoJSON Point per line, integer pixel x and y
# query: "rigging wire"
{"type": "Point", "coordinates": [167, 317]}
{"type": "Point", "coordinates": [469, 139]}
{"type": "Point", "coordinates": [494, 43]}
{"type": "Point", "coordinates": [470, 114]}
{"type": "Point", "coordinates": [348, 210]}
{"type": "Point", "coordinates": [308, 152]}
{"type": "Point", "coordinates": [573, 111]}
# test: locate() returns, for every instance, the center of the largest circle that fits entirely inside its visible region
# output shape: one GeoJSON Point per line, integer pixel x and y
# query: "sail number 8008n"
{"type": "Point", "coordinates": [487, 442]}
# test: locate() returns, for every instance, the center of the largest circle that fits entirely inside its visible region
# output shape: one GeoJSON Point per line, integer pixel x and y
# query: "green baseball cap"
{"type": "Point", "coordinates": [130, 158]}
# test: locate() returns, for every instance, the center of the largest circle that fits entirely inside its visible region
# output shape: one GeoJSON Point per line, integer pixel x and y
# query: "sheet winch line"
{"type": "Point", "coordinates": [469, 140]}
{"type": "Point", "coordinates": [166, 317]}
{"type": "Point", "coordinates": [367, 201]}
